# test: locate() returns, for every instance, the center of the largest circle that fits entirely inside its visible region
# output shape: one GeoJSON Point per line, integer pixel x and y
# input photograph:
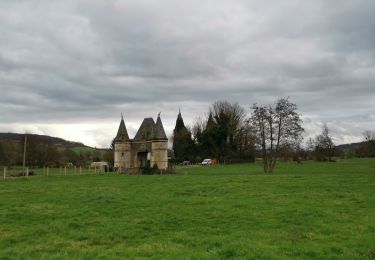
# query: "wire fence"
{"type": "Point", "coordinates": [16, 172]}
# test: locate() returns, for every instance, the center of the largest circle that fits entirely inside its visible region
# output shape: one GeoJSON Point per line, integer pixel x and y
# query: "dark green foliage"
{"type": "Point", "coordinates": [229, 119]}
{"type": "Point", "coordinates": [108, 156]}
{"type": "Point", "coordinates": [179, 122]}
{"type": "Point", "coordinates": [226, 135]}
{"type": "Point", "coordinates": [96, 156]}
{"type": "Point", "coordinates": [71, 157]}
{"type": "Point", "coordinates": [224, 139]}
{"type": "Point", "coordinates": [183, 145]}
{"type": "Point", "coordinates": [209, 139]}
{"type": "Point", "coordinates": [82, 157]}
{"type": "Point", "coordinates": [147, 170]}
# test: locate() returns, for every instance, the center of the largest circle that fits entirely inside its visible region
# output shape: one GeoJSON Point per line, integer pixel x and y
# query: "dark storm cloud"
{"type": "Point", "coordinates": [88, 61]}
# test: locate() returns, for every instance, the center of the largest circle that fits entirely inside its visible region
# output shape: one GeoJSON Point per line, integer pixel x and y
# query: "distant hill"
{"type": "Point", "coordinates": [78, 146]}
{"type": "Point", "coordinates": [349, 146]}
{"type": "Point", "coordinates": [55, 140]}
{"type": "Point", "coordinates": [39, 150]}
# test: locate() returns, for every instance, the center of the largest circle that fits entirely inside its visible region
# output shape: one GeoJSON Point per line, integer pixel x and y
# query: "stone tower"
{"type": "Point", "coordinates": [148, 148]}
{"type": "Point", "coordinates": [159, 146]}
{"type": "Point", "coordinates": [122, 148]}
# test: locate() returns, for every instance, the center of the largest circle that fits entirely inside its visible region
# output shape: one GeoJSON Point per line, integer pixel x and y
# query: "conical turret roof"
{"type": "Point", "coordinates": [122, 133]}
{"type": "Point", "coordinates": [160, 133]}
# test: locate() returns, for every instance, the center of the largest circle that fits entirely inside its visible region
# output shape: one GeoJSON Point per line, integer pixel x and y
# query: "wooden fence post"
{"type": "Point", "coordinates": [5, 172]}
{"type": "Point", "coordinates": [80, 170]}
{"type": "Point", "coordinates": [27, 171]}
{"type": "Point", "coordinates": [65, 170]}
{"type": "Point", "coordinates": [47, 171]}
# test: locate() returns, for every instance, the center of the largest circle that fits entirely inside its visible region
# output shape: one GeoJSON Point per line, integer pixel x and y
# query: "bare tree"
{"type": "Point", "coordinates": [368, 145]}
{"type": "Point", "coordinates": [4, 161]}
{"type": "Point", "coordinates": [277, 125]}
{"type": "Point", "coordinates": [369, 136]}
{"type": "Point", "coordinates": [324, 146]}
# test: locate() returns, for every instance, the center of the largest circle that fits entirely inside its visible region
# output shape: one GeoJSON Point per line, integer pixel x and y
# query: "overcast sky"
{"type": "Point", "coordinates": [70, 68]}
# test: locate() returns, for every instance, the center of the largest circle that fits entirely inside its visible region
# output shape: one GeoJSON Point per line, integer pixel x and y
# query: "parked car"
{"type": "Point", "coordinates": [206, 162]}
{"type": "Point", "coordinates": [186, 163]}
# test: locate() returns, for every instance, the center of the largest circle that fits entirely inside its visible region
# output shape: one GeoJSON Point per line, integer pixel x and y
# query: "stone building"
{"type": "Point", "coordinates": [148, 148]}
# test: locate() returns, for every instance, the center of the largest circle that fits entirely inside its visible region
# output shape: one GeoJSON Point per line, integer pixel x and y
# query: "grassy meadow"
{"type": "Point", "coordinates": [302, 211]}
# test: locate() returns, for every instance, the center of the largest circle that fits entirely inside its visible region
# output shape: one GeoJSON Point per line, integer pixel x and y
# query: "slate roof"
{"type": "Point", "coordinates": [149, 130]}
{"type": "Point", "coordinates": [122, 133]}
{"type": "Point", "coordinates": [146, 130]}
{"type": "Point", "coordinates": [160, 133]}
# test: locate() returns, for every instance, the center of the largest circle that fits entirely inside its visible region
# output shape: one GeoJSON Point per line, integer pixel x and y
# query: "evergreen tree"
{"type": "Point", "coordinates": [209, 144]}
{"type": "Point", "coordinates": [226, 134]}
{"type": "Point", "coordinates": [223, 139]}
{"type": "Point", "coordinates": [183, 144]}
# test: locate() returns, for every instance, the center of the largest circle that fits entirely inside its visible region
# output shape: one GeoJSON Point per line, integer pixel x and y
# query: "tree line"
{"type": "Point", "coordinates": [272, 132]}
{"type": "Point", "coordinates": [224, 135]}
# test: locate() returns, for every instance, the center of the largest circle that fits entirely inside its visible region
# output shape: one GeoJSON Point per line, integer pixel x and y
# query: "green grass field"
{"type": "Point", "coordinates": [302, 211]}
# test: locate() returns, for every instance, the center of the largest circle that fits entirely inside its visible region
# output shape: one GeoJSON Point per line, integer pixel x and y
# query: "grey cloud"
{"type": "Point", "coordinates": [88, 61]}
